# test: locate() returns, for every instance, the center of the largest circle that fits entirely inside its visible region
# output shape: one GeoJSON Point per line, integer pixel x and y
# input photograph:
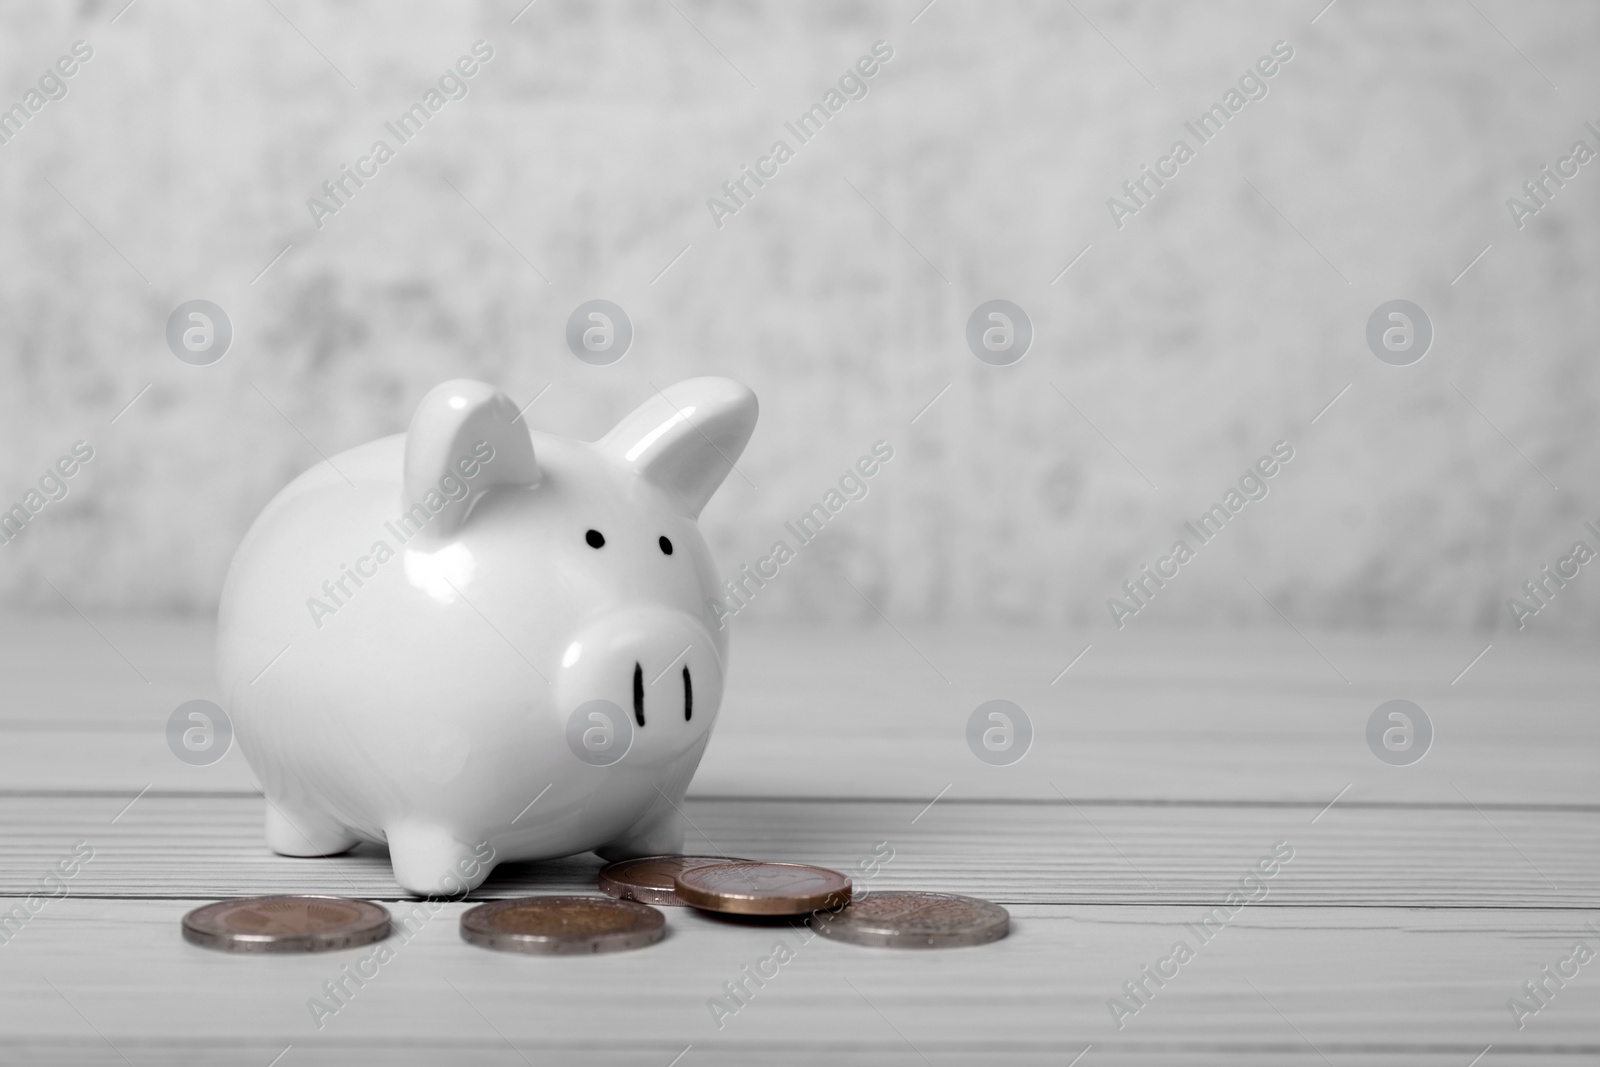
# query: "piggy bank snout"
{"type": "Point", "coordinates": [659, 666]}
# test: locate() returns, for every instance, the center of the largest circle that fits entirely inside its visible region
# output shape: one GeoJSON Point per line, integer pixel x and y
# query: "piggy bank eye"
{"type": "Point", "coordinates": [595, 538]}
{"type": "Point", "coordinates": [666, 546]}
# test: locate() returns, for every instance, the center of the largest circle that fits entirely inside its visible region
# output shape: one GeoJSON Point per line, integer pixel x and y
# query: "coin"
{"type": "Point", "coordinates": [747, 888]}
{"type": "Point", "coordinates": [916, 920]}
{"type": "Point", "coordinates": [286, 924]}
{"type": "Point", "coordinates": [562, 925]}
{"type": "Point", "coordinates": [650, 879]}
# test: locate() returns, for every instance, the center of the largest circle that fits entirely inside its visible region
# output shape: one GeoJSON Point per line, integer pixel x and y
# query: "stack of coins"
{"type": "Point", "coordinates": [624, 919]}
{"type": "Point", "coordinates": [746, 888]}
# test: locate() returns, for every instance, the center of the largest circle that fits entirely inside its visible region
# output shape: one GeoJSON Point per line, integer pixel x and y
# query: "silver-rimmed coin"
{"type": "Point", "coordinates": [562, 925]}
{"type": "Point", "coordinates": [748, 888]}
{"type": "Point", "coordinates": [651, 879]}
{"type": "Point", "coordinates": [286, 924]}
{"type": "Point", "coordinates": [915, 920]}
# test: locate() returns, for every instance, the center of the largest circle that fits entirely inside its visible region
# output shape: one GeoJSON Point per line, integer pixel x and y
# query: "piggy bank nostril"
{"type": "Point", "coordinates": [638, 693]}
{"type": "Point", "coordinates": [688, 695]}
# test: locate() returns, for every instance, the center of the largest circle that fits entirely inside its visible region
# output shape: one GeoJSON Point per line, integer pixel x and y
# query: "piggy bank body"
{"type": "Point", "coordinates": [480, 644]}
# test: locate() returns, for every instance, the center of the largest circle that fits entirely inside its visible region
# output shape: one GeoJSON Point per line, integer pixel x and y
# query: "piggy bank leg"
{"type": "Point", "coordinates": [429, 862]}
{"type": "Point", "coordinates": [658, 834]}
{"type": "Point", "coordinates": [303, 832]}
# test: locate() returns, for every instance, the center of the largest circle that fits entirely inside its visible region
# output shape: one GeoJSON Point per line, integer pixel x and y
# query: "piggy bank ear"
{"type": "Point", "coordinates": [686, 438]}
{"type": "Point", "coordinates": [464, 441]}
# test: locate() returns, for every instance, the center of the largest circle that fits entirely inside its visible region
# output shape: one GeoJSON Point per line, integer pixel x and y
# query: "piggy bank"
{"type": "Point", "coordinates": [477, 643]}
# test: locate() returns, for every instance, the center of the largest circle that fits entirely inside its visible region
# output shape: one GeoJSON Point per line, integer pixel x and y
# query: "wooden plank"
{"type": "Point", "coordinates": [856, 713]}
{"type": "Point", "coordinates": [1278, 985]}
{"type": "Point", "coordinates": [1097, 852]}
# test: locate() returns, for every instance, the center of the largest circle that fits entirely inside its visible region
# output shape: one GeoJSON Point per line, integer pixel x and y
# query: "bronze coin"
{"type": "Point", "coordinates": [748, 888]}
{"type": "Point", "coordinates": [562, 925]}
{"type": "Point", "coordinates": [651, 879]}
{"type": "Point", "coordinates": [916, 920]}
{"type": "Point", "coordinates": [286, 924]}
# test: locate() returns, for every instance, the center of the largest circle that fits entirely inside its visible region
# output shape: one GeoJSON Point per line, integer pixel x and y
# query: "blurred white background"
{"type": "Point", "coordinates": [1221, 319]}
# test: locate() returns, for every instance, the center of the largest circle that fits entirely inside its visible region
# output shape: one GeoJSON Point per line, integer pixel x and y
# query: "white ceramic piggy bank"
{"type": "Point", "coordinates": [429, 640]}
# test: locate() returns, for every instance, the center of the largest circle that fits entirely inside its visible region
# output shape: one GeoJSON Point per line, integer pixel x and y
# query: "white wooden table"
{"type": "Point", "coordinates": [1164, 766]}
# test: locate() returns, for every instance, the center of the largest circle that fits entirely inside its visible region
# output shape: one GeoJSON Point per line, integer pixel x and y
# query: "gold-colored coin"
{"type": "Point", "coordinates": [748, 888]}
{"type": "Point", "coordinates": [651, 879]}
{"type": "Point", "coordinates": [916, 920]}
{"type": "Point", "coordinates": [286, 924]}
{"type": "Point", "coordinates": [562, 925]}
